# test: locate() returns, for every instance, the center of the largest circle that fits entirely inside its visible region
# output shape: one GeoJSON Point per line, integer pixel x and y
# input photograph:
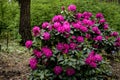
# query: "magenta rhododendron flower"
{"type": "Point", "coordinates": [78, 15]}
{"type": "Point", "coordinates": [99, 38]}
{"type": "Point", "coordinates": [60, 46]}
{"type": "Point", "coordinates": [36, 31]}
{"type": "Point", "coordinates": [47, 51]}
{"type": "Point", "coordinates": [98, 57]}
{"type": "Point", "coordinates": [63, 8]}
{"type": "Point", "coordinates": [58, 70]}
{"type": "Point", "coordinates": [72, 7]}
{"type": "Point", "coordinates": [105, 26]}
{"type": "Point", "coordinates": [87, 15]}
{"type": "Point", "coordinates": [70, 71]}
{"type": "Point", "coordinates": [57, 24]}
{"type": "Point", "coordinates": [99, 15]}
{"type": "Point", "coordinates": [115, 34]}
{"type": "Point", "coordinates": [66, 26]}
{"type": "Point", "coordinates": [102, 21]}
{"type": "Point", "coordinates": [117, 44]}
{"type": "Point", "coordinates": [73, 37]}
{"type": "Point", "coordinates": [61, 29]}
{"type": "Point", "coordinates": [93, 64]}
{"type": "Point", "coordinates": [37, 53]}
{"type": "Point", "coordinates": [92, 59]}
{"type": "Point", "coordinates": [46, 36]}
{"type": "Point", "coordinates": [45, 24]}
{"type": "Point", "coordinates": [66, 46]}
{"type": "Point", "coordinates": [83, 29]}
{"type": "Point", "coordinates": [58, 18]}
{"type": "Point", "coordinates": [73, 46]}
{"type": "Point", "coordinates": [118, 39]}
{"type": "Point", "coordinates": [80, 39]}
{"type": "Point", "coordinates": [33, 63]}
{"type": "Point", "coordinates": [77, 24]}
{"type": "Point", "coordinates": [87, 22]}
{"type": "Point", "coordinates": [88, 36]}
{"type": "Point", "coordinates": [28, 44]}
{"type": "Point", "coordinates": [96, 30]}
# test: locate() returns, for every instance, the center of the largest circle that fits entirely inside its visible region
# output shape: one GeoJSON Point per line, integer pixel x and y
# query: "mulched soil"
{"type": "Point", "coordinates": [14, 66]}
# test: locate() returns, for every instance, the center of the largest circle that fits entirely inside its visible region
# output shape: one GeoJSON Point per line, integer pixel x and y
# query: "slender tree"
{"type": "Point", "coordinates": [24, 27]}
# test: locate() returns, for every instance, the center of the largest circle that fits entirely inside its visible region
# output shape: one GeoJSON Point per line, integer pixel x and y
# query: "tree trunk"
{"type": "Point", "coordinates": [118, 1]}
{"type": "Point", "coordinates": [24, 27]}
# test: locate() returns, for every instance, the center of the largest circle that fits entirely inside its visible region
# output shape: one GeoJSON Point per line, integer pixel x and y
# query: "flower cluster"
{"type": "Point", "coordinates": [60, 46]}
{"type": "Point", "coordinates": [93, 58]}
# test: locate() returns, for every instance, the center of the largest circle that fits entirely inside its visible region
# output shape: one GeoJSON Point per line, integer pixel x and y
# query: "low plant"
{"type": "Point", "coordinates": [71, 47]}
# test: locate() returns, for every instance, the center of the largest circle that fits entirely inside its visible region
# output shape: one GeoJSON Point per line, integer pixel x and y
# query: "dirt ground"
{"type": "Point", "coordinates": [14, 66]}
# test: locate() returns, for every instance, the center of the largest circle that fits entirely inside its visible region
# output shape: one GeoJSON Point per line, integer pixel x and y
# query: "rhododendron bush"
{"type": "Point", "coordinates": [71, 47]}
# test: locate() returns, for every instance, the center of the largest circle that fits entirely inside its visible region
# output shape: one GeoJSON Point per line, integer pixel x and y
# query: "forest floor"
{"type": "Point", "coordinates": [14, 64]}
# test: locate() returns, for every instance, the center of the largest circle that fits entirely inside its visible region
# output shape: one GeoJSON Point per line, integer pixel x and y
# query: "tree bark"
{"type": "Point", "coordinates": [24, 27]}
{"type": "Point", "coordinates": [118, 1]}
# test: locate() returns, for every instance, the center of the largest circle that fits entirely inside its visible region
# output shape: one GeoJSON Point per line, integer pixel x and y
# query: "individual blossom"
{"type": "Point", "coordinates": [58, 18]}
{"type": "Point", "coordinates": [98, 38]}
{"type": "Point", "coordinates": [87, 15]}
{"type": "Point", "coordinates": [117, 44]}
{"type": "Point", "coordinates": [118, 39]}
{"type": "Point", "coordinates": [66, 26]}
{"type": "Point", "coordinates": [28, 44]}
{"type": "Point", "coordinates": [63, 8]}
{"type": "Point", "coordinates": [70, 71]}
{"type": "Point", "coordinates": [66, 46]}
{"type": "Point", "coordinates": [46, 36]}
{"type": "Point", "coordinates": [45, 25]}
{"type": "Point", "coordinates": [93, 65]}
{"type": "Point", "coordinates": [50, 27]}
{"type": "Point", "coordinates": [96, 30]}
{"type": "Point", "coordinates": [37, 53]}
{"type": "Point", "coordinates": [58, 70]}
{"type": "Point", "coordinates": [73, 46]}
{"type": "Point", "coordinates": [77, 24]}
{"type": "Point", "coordinates": [98, 57]}
{"type": "Point", "coordinates": [59, 46]}
{"type": "Point", "coordinates": [115, 34]}
{"type": "Point", "coordinates": [78, 15]}
{"type": "Point", "coordinates": [61, 29]}
{"type": "Point", "coordinates": [33, 63]}
{"type": "Point", "coordinates": [80, 39]}
{"type": "Point", "coordinates": [92, 59]}
{"type": "Point", "coordinates": [65, 49]}
{"type": "Point", "coordinates": [99, 15]}
{"type": "Point", "coordinates": [47, 51]}
{"type": "Point", "coordinates": [57, 24]}
{"type": "Point", "coordinates": [87, 22]}
{"type": "Point", "coordinates": [72, 7]}
{"type": "Point", "coordinates": [83, 29]}
{"type": "Point", "coordinates": [88, 36]}
{"type": "Point", "coordinates": [36, 31]}
{"type": "Point", "coordinates": [105, 26]}
{"type": "Point", "coordinates": [73, 37]}
{"type": "Point", "coordinates": [102, 21]}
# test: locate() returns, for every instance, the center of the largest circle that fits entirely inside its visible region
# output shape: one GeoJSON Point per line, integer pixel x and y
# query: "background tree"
{"type": "Point", "coordinates": [24, 27]}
